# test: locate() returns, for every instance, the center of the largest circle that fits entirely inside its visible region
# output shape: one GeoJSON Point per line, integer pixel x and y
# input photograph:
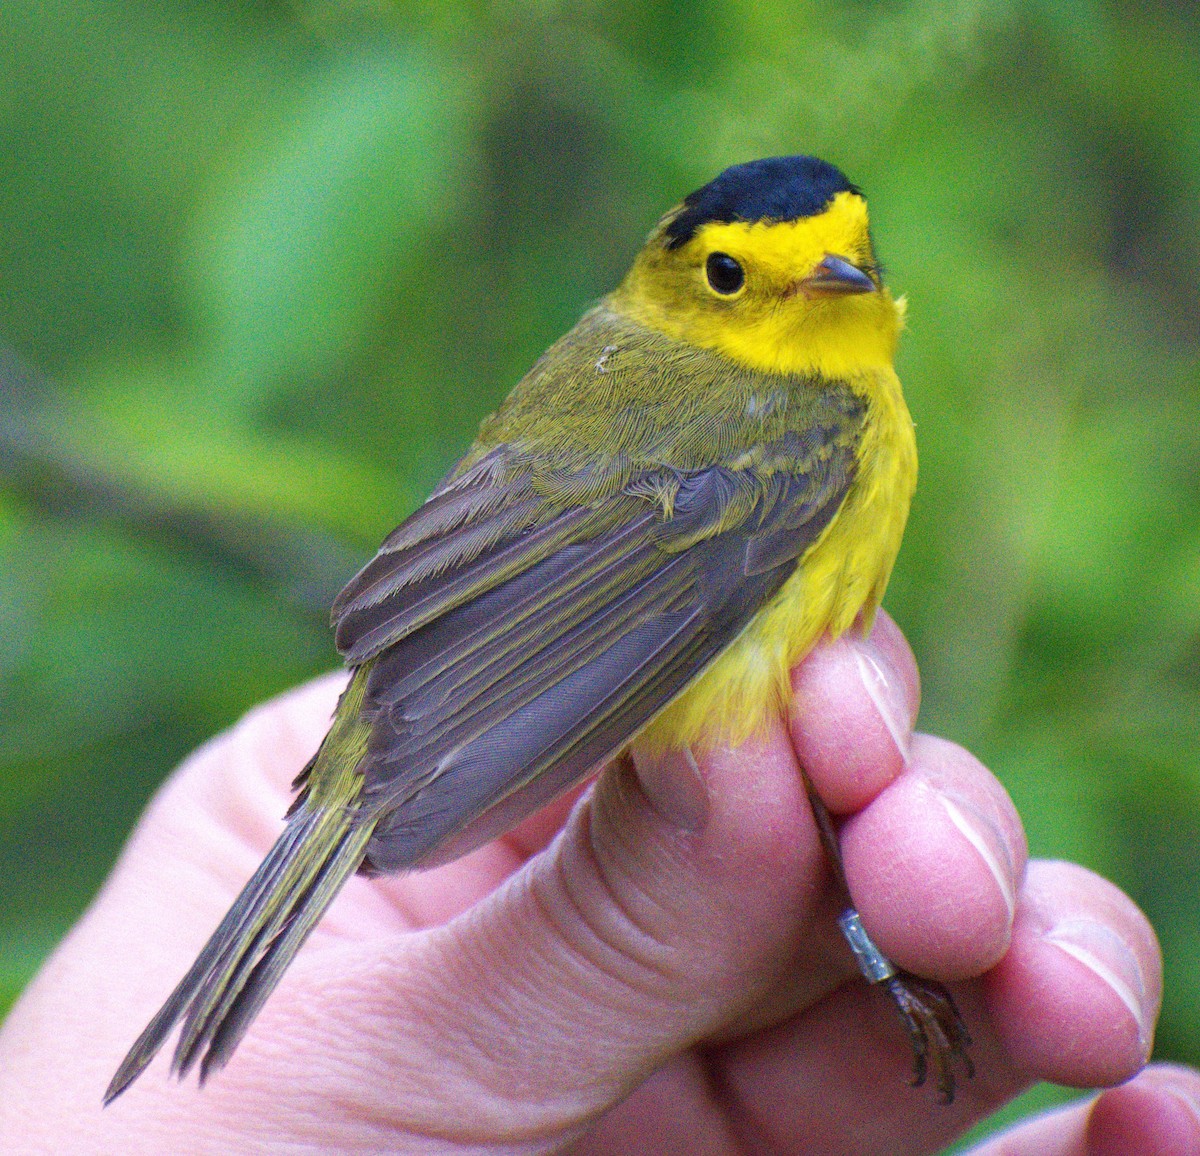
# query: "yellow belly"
{"type": "Point", "coordinates": [840, 579]}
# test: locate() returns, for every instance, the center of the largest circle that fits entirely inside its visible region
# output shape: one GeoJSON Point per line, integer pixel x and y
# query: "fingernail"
{"type": "Point", "coordinates": [1112, 960]}
{"type": "Point", "coordinates": [1183, 1095]}
{"type": "Point", "coordinates": [1181, 1089]}
{"type": "Point", "coordinates": [885, 696]}
{"type": "Point", "coordinates": [672, 782]}
{"type": "Point", "coordinates": [989, 843]}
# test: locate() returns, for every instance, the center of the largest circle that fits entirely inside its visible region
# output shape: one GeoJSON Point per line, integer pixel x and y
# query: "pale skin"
{"type": "Point", "coordinates": [650, 966]}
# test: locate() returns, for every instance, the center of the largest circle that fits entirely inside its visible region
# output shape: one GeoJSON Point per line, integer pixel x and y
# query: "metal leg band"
{"type": "Point", "coordinates": [871, 961]}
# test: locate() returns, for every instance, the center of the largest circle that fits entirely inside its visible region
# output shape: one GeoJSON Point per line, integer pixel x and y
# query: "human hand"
{"type": "Point", "coordinates": [652, 967]}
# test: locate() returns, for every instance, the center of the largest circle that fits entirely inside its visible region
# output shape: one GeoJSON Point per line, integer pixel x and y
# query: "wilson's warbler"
{"type": "Point", "coordinates": [708, 473]}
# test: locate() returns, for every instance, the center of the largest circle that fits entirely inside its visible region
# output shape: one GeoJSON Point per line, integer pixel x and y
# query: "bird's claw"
{"type": "Point", "coordinates": [936, 1030]}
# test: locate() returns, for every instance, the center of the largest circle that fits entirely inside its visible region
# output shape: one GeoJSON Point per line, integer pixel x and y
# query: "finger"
{"type": "Point", "coordinates": [1078, 936]}
{"type": "Point", "coordinates": [646, 927]}
{"type": "Point", "coordinates": [432, 897]}
{"type": "Point", "coordinates": [208, 826]}
{"type": "Point", "coordinates": [854, 704]}
{"type": "Point", "coordinates": [198, 842]}
{"type": "Point", "coordinates": [934, 863]}
{"type": "Point", "coordinates": [536, 833]}
{"type": "Point", "coordinates": [221, 812]}
{"type": "Point", "coordinates": [838, 1074]}
{"type": "Point", "coordinates": [1155, 1114]}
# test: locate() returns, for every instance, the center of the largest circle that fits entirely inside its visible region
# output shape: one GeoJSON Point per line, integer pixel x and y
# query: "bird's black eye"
{"type": "Point", "coordinates": [724, 273]}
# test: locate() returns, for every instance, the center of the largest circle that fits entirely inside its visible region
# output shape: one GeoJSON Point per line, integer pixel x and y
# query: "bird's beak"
{"type": "Point", "coordinates": [836, 277]}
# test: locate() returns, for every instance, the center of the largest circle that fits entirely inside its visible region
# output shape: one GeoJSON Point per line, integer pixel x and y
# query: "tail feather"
{"type": "Point", "coordinates": [246, 956]}
{"type": "Point", "coordinates": [258, 932]}
{"type": "Point", "coordinates": [237, 1014]}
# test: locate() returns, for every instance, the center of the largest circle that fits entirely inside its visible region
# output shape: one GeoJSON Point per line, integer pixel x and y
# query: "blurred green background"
{"type": "Point", "coordinates": [263, 267]}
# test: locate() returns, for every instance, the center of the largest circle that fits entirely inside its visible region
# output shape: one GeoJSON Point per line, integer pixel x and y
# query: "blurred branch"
{"type": "Point", "coordinates": [293, 564]}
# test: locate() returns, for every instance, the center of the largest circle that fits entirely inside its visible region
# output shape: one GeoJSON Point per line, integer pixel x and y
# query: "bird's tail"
{"type": "Point", "coordinates": [243, 961]}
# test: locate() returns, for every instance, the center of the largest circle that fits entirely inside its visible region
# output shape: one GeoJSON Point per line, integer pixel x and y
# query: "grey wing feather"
{"type": "Point", "coordinates": [489, 706]}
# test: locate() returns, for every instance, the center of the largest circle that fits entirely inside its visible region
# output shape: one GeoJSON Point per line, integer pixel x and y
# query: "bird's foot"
{"type": "Point", "coordinates": [936, 1030]}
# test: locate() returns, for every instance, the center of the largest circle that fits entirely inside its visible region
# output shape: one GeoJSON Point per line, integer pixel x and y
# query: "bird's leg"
{"type": "Point", "coordinates": [935, 1028]}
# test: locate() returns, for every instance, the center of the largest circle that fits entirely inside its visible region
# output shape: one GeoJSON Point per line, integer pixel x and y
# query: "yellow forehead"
{"type": "Point", "coordinates": [788, 247]}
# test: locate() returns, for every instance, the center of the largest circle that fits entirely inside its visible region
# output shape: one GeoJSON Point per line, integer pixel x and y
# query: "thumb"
{"type": "Point", "coordinates": [669, 906]}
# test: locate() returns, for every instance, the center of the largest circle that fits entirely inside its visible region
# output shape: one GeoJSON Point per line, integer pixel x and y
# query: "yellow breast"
{"type": "Point", "coordinates": [838, 581]}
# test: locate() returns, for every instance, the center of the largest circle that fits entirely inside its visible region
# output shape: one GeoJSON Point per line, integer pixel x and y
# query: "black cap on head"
{"type": "Point", "coordinates": [775, 188]}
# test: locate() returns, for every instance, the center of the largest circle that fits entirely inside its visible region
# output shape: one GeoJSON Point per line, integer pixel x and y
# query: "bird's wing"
{"type": "Point", "coordinates": [514, 640]}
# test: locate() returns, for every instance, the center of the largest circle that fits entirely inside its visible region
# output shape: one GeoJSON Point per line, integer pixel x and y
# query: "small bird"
{"type": "Point", "coordinates": [708, 473]}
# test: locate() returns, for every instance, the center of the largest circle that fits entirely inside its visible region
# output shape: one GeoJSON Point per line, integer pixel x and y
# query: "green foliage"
{"type": "Point", "coordinates": [278, 260]}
